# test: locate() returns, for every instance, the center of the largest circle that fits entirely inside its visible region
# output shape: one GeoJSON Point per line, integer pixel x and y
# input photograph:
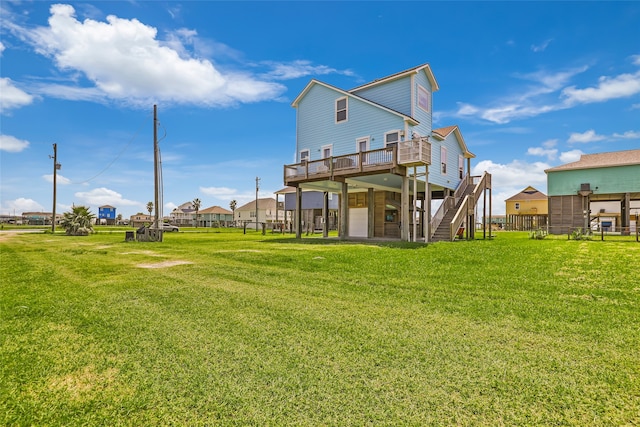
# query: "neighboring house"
{"type": "Point", "coordinates": [215, 216]}
{"type": "Point", "coordinates": [574, 189]}
{"type": "Point", "coordinates": [528, 210]}
{"type": "Point", "coordinates": [140, 219]}
{"type": "Point", "coordinates": [107, 215]}
{"type": "Point", "coordinates": [269, 212]}
{"type": "Point", "coordinates": [312, 203]}
{"type": "Point", "coordinates": [374, 147]}
{"type": "Point", "coordinates": [183, 215]}
{"type": "Point", "coordinates": [38, 218]}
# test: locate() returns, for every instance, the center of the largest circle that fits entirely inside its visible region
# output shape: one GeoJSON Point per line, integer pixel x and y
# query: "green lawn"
{"type": "Point", "coordinates": [267, 330]}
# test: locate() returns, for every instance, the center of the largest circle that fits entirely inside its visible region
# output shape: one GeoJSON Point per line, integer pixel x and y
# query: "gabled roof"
{"type": "Point", "coordinates": [265, 203]}
{"type": "Point", "coordinates": [602, 160]}
{"type": "Point", "coordinates": [215, 210]}
{"type": "Point", "coordinates": [443, 133]}
{"type": "Point", "coordinates": [106, 206]}
{"type": "Point", "coordinates": [314, 82]}
{"type": "Point", "coordinates": [424, 67]}
{"type": "Point", "coordinates": [528, 193]}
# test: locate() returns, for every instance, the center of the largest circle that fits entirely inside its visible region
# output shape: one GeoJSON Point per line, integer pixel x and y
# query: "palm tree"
{"type": "Point", "coordinates": [78, 222]}
{"type": "Point", "coordinates": [232, 205]}
{"type": "Point", "coordinates": [150, 207]}
{"type": "Point", "coordinates": [196, 205]}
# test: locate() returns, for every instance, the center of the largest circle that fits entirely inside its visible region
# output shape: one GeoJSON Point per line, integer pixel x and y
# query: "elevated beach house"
{"type": "Point", "coordinates": [375, 147]}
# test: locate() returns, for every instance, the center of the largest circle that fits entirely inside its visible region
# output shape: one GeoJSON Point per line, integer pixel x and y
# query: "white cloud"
{"type": "Point", "coordinates": [542, 46]}
{"type": "Point", "coordinates": [1, 48]}
{"type": "Point", "coordinates": [18, 206]}
{"type": "Point", "coordinates": [621, 86]}
{"type": "Point", "coordinates": [550, 143]}
{"type": "Point", "coordinates": [219, 192]}
{"type": "Point", "coordinates": [126, 62]}
{"type": "Point", "coordinates": [12, 97]}
{"type": "Point", "coordinates": [509, 179]}
{"type": "Point", "coordinates": [630, 134]}
{"type": "Point", "coordinates": [586, 137]}
{"type": "Point", "coordinates": [104, 196]}
{"type": "Point", "coordinates": [300, 68]}
{"type": "Point", "coordinates": [570, 156]}
{"type": "Point", "coordinates": [12, 144]}
{"type": "Point", "coordinates": [59, 179]}
{"type": "Point", "coordinates": [527, 103]}
{"type": "Point", "coordinates": [550, 153]}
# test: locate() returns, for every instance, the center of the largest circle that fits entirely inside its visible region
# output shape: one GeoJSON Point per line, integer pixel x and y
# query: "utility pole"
{"type": "Point", "coordinates": [56, 166]}
{"type": "Point", "coordinates": [257, 188]}
{"type": "Point", "coordinates": [155, 169]}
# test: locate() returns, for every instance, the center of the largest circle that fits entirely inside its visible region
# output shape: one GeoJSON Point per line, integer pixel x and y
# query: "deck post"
{"type": "Point", "coordinates": [427, 209]}
{"type": "Point", "coordinates": [325, 214]}
{"type": "Point", "coordinates": [404, 223]}
{"type": "Point", "coordinates": [344, 211]}
{"type": "Point", "coordinates": [298, 216]}
{"type": "Point", "coordinates": [370, 214]}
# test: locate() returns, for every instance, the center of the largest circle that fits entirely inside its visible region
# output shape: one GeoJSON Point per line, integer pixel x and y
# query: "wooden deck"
{"type": "Point", "coordinates": [407, 153]}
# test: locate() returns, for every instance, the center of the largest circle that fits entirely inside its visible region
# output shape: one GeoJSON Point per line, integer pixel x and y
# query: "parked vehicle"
{"type": "Point", "coordinates": [168, 227]}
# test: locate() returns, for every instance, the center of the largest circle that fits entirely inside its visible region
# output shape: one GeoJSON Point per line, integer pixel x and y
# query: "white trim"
{"type": "Point", "coordinates": [443, 160]}
{"type": "Point", "coordinates": [428, 96]}
{"type": "Point", "coordinates": [306, 150]}
{"type": "Point", "coordinates": [346, 109]}
{"type": "Point", "coordinates": [325, 147]}
{"type": "Point", "coordinates": [366, 139]}
{"type": "Point", "coordinates": [398, 131]}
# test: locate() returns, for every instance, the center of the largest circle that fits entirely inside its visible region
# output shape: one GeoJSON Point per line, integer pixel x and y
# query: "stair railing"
{"type": "Point", "coordinates": [447, 203]}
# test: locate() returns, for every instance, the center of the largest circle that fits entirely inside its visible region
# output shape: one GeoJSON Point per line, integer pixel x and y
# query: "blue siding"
{"type": "Point", "coordinates": [317, 126]}
{"type": "Point", "coordinates": [451, 179]}
{"type": "Point", "coordinates": [608, 180]}
{"type": "Point", "coordinates": [424, 117]}
{"type": "Point", "coordinates": [395, 94]}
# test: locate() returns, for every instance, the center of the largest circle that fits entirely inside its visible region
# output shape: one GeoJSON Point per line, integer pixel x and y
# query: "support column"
{"type": "Point", "coordinates": [370, 213]}
{"type": "Point", "coordinates": [427, 209]}
{"type": "Point", "coordinates": [626, 214]}
{"type": "Point", "coordinates": [404, 223]}
{"type": "Point", "coordinates": [325, 214]}
{"type": "Point", "coordinates": [344, 211]}
{"type": "Point", "coordinates": [298, 213]}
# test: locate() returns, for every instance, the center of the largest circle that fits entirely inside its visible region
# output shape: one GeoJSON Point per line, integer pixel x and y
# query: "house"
{"type": "Point", "coordinates": [268, 212]}
{"type": "Point", "coordinates": [107, 215]}
{"type": "Point", "coordinates": [140, 219]}
{"type": "Point", "coordinates": [312, 204]}
{"type": "Point", "coordinates": [183, 215]}
{"type": "Point", "coordinates": [527, 210]}
{"type": "Point", "coordinates": [374, 147]}
{"type": "Point", "coordinates": [39, 218]}
{"type": "Point", "coordinates": [215, 216]}
{"type": "Point", "coordinates": [576, 188]}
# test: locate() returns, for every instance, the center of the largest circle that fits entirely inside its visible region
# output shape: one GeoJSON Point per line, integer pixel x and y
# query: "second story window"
{"type": "Point", "coordinates": [517, 206]}
{"type": "Point", "coordinates": [443, 160]}
{"type": "Point", "coordinates": [341, 110]}
{"type": "Point", "coordinates": [424, 100]}
{"type": "Point", "coordinates": [391, 138]}
{"type": "Point", "coordinates": [304, 156]}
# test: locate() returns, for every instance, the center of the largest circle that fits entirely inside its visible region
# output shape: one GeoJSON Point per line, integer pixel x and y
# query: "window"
{"type": "Point", "coordinates": [423, 98]}
{"type": "Point", "coordinates": [304, 156]}
{"type": "Point", "coordinates": [362, 145]}
{"type": "Point", "coordinates": [391, 138]}
{"type": "Point", "coordinates": [461, 166]}
{"type": "Point", "coordinates": [341, 110]}
{"type": "Point", "coordinates": [443, 160]}
{"type": "Point", "coordinates": [326, 151]}
{"type": "Point", "coordinates": [517, 206]}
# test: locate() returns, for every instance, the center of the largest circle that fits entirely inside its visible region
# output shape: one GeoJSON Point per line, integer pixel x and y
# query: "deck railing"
{"type": "Point", "coordinates": [353, 163]}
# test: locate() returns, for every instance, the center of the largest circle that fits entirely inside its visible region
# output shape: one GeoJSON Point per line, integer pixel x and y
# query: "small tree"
{"type": "Point", "coordinates": [233, 204]}
{"type": "Point", "coordinates": [196, 205]}
{"type": "Point", "coordinates": [149, 207]}
{"type": "Point", "coordinates": [78, 222]}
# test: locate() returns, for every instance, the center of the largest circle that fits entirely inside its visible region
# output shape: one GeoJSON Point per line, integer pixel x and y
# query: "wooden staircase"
{"type": "Point", "coordinates": [456, 208]}
{"type": "Point", "coordinates": [443, 232]}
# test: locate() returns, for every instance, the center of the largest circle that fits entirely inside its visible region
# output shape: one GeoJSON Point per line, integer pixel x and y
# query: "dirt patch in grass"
{"type": "Point", "coordinates": [163, 264]}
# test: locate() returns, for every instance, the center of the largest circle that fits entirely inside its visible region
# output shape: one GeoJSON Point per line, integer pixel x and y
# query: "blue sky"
{"type": "Point", "coordinates": [530, 84]}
